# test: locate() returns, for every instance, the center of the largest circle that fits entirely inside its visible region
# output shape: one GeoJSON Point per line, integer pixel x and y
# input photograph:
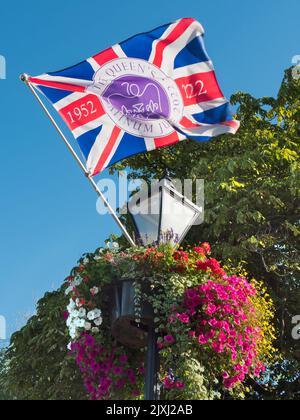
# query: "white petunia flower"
{"type": "Point", "coordinates": [69, 322]}
{"type": "Point", "coordinates": [82, 313]}
{"type": "Point", "coordinates": [77, 282]}
{"type": "Point", "coordinates": [78, 303]}
{"type": "Point", "coordinates": [73, 332]}
{"type": "Point", "coordinates": [115, 246]}
{"type": "Point", "coordinates": [87, 326]}
{"type": "Point", "coordinates": [74, 314]}
{"type": "Point", "coordinates": [69, 346]}
{"type": "Point", "coordinates": [79, 323]}
{"type": "Point", "coordinates": [94, 291]}
{"type": "Point", "coordinates": [90, 316]}
{"type": "Point", "coordinates": [86, 261]}
{"type": "Point", "coordinates": [69, 290]}
{"type": "Point", "coordinates": [96, 313]}
{"type": "Point", "coordinates": [98, 322]}
{"type": "Point", "coordinates": [71, 306]}
{"type": "Point", "coordinates": [95, 330]}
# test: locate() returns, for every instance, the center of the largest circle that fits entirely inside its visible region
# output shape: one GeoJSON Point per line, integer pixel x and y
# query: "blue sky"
{"type": "Point", "coordinates": [48, 210]}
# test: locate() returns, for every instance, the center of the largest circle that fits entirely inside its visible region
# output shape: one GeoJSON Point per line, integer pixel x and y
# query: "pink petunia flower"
{"type": "Point", "coordinates": [184, 318]}
{"type": "Point", "coordinates": [123, 359]}
{"type": "Point", "coordinates": [202, 339]}
{"type": "Point", "coordinates": [118, 370]}
{"type": "Point", "coordinates": [169, 339]}
{"type": "Point", "coordinates": [211, 309]}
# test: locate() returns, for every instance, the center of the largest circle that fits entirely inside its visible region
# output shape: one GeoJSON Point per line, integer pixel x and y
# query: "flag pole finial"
{"type": "Point", "coordinates": [24, 77]}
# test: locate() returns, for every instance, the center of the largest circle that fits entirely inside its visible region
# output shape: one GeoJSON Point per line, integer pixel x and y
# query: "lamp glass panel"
{"type": "Point", "coordinates": [176, 217]}
{"type": "Point", "coordinates": [147, 219]}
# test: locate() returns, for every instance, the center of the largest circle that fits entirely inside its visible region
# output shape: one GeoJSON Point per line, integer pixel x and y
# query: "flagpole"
{"type": "Point", "coordinates": [25, 78]}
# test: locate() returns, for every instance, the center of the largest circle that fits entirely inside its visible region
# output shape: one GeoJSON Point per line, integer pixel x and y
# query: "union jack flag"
{"type": "Point", "coordinates": [150, 91]}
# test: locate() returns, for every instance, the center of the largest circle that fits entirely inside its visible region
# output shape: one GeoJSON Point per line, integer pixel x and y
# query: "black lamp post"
{"type": "Point", "coordinates": [163, 216]}
{"type": "Point", "coordinates": [126, 330]}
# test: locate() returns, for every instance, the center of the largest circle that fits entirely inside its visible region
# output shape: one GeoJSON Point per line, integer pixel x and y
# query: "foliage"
{"type": "Point", "coordinates": [4, 395]}
{"type": "Point", "coordinates": [213, 330]}
{"type": "Point", "coordinates": [37, 365]}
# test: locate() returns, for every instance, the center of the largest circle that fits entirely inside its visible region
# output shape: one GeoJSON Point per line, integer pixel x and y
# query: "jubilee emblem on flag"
{"type": "Point", "coordinates": [150, 91]}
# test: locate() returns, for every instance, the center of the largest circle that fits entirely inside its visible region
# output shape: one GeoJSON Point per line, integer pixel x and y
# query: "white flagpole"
{"type": "Point", "coordinates": [25, 79]}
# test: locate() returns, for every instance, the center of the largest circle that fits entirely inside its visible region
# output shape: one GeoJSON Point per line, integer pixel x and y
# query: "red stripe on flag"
{"type": "Point", "coordinates": [82, 111]}
{"type": "Point", "coordinates": [167, 140]}
{"type": "Point", "coordinates": [233, 124]}
{"type": "Point", "coordinates": [113, 138]}
{"type": "Point", "coordinates": [179, 29]}
{"type": "Point", "coordinates": [105, 56]}
{"type": "Point", "coordinates": [200, 87]}
{"type": "Point", "coordinates": [187, 123]}
{"type": "Point", "coordinates": [57, 85]}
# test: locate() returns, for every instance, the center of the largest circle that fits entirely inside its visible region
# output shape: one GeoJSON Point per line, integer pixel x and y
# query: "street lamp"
{"type": "Point", "coordinates": [164, 215]}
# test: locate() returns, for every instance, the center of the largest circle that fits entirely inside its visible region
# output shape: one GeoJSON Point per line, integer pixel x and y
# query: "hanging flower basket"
{"type": "Point", "coordinates": [214, 327]}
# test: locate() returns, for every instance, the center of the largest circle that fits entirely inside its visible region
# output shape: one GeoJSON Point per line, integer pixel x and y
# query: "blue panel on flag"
{"type": "Point", "coordinates": [200, 138]}
{"type": "Point", "coordinates": [193, 53]}
{"type": "Point", "coordinates": [215, 115]}
{"type": "Point", "coordinates": [87, 140]}
{"type": "Point", "coordinates": [129, 146]}
{"type": "Point", "coordinates": [54, 95]}
{"type": "Point", "coordinates": [81, 71]}
{"type": "Point", "coordinates": [140, 46]}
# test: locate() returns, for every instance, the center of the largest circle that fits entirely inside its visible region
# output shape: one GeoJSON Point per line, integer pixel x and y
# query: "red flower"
{"type": "Point", "coordinates": [220, 272]}
{"type": "Point", "coordinates": [199, 250]}
{"type": "Point", "coordinates": [181, 256]}
{"type": "Point", "coordinates": [160, 345]}
{"type": "Point", "coordinates": [202, 265]}
{"type": "Point", "coordinates": [213, 264]}
{"type": "Point", "coordinates": [215, 267]}
{"type": "Point", "coordinates": [91, 305]}
{"type": "Point", "coordinates": [179, 385]}
{"type": "Point", "coordinates": [206, 247]}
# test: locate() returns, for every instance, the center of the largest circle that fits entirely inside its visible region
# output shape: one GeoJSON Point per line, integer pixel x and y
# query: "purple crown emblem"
{"type": "Point", "coordinates": [138, 98]}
